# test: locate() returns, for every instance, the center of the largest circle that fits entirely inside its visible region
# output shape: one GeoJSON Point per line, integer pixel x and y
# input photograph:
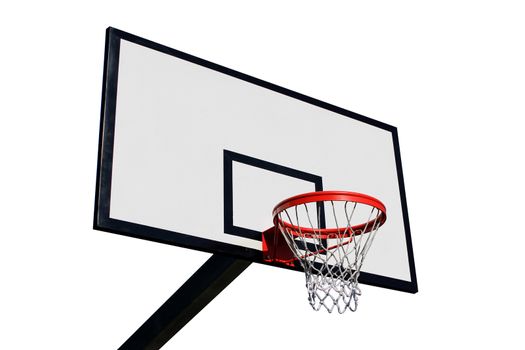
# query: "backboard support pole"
{"type": "Point", "coordinates": [201, 288]}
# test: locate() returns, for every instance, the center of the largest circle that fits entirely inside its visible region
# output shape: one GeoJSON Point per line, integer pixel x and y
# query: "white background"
{"type": "Point", "coordinates": [450, 76]}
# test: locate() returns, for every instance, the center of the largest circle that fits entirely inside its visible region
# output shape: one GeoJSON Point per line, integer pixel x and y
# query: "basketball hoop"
{"type": "Point", "coordinates": [331, 257]}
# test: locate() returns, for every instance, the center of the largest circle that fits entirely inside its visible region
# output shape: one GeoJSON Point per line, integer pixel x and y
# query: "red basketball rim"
{"type": "Point", "coordinates": [327, 196]}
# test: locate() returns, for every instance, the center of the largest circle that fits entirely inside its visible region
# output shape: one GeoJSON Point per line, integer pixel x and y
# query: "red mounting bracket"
{"type": "Point", "coordinates": [275, 248]}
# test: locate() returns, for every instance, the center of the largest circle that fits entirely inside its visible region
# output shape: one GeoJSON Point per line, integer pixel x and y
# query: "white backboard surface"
{"type": "Point", "coordinates": [196, 155]}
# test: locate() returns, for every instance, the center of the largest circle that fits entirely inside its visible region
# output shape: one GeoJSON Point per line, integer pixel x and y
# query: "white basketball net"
{"type": "Point", "coordinates": [331, 261]}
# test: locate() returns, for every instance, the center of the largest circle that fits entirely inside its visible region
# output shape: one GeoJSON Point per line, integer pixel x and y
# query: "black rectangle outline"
{"type": "Point", "coordinates": [229, 158]}
{"type": "Point", "coordinates": [103, 222]}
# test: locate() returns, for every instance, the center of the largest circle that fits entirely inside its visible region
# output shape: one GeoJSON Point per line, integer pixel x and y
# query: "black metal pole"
{"type": "Point", "coordinates": [204, 285]}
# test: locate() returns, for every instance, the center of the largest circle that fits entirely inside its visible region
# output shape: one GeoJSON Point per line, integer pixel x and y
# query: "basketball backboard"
{"type": "Point", "coordinates": [196, 155]}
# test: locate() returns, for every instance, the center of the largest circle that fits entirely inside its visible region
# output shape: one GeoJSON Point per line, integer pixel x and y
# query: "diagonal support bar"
{"type": "Point", "coordinates": [201, 288]}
